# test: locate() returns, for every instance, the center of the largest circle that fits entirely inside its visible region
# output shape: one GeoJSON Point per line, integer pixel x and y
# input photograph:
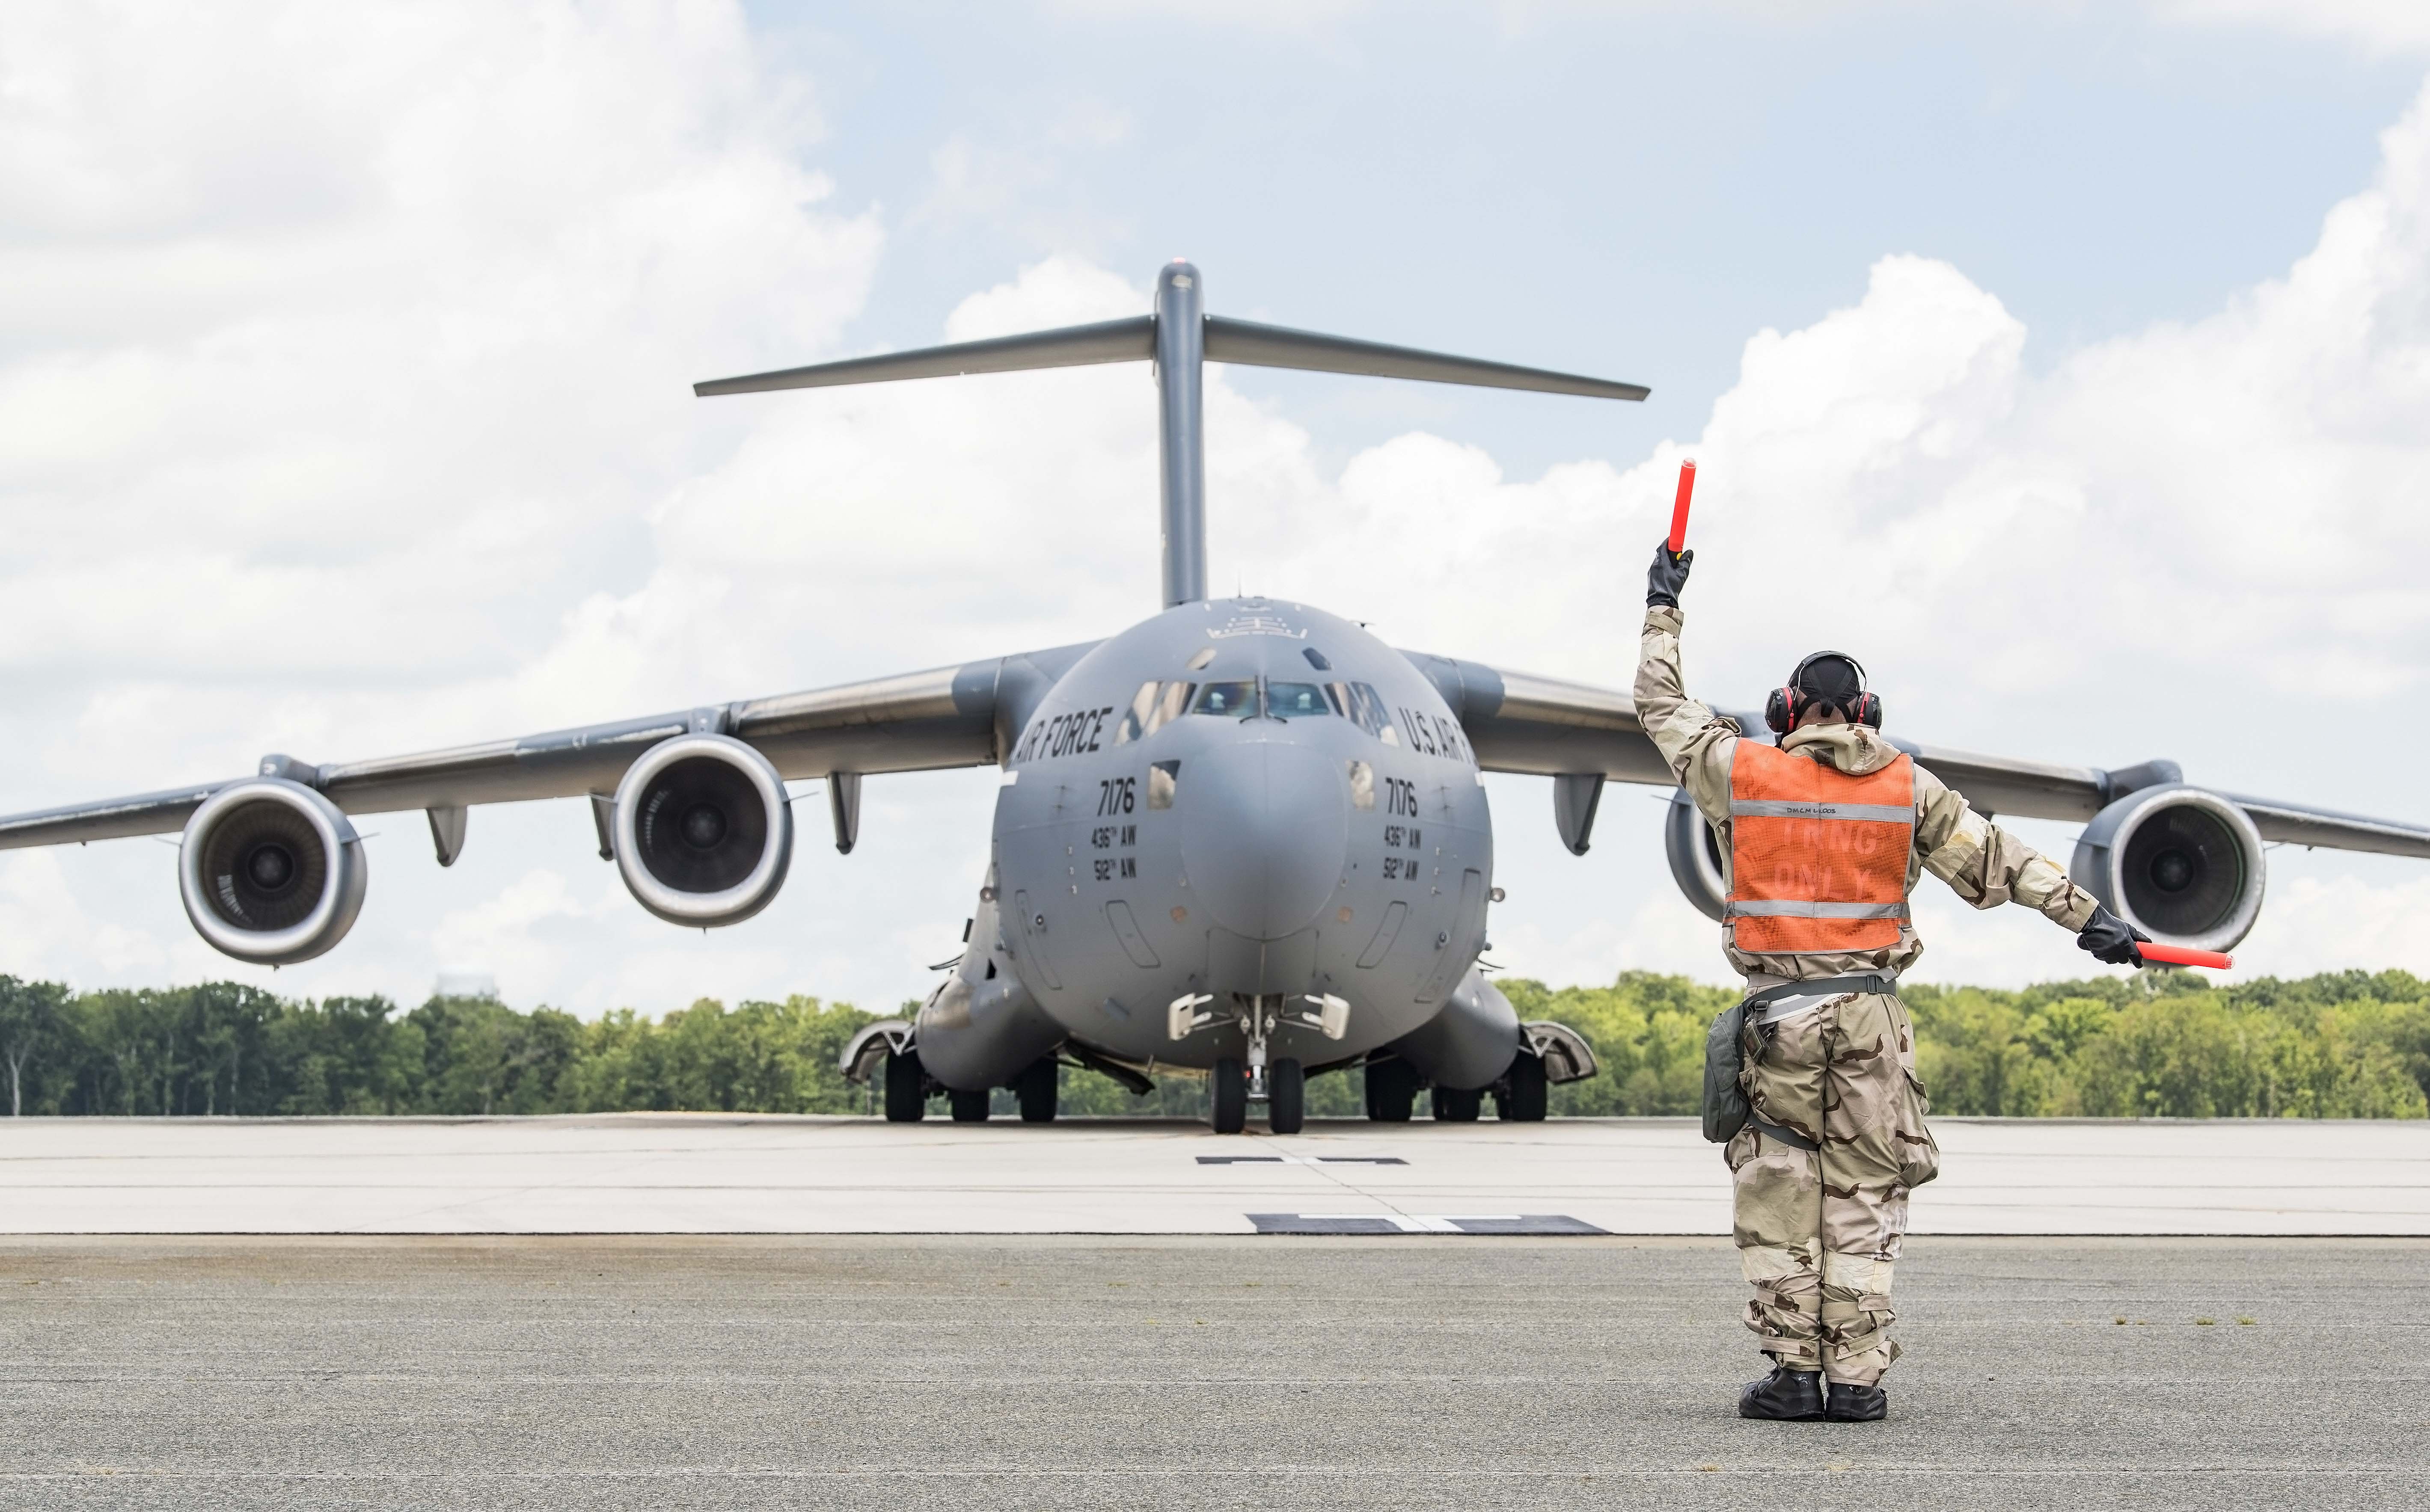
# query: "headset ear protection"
{"type": "Point", "coordinates": [1790, 702]}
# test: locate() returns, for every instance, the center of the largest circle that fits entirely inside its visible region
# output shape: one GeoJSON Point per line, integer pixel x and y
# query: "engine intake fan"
{"type": "Point", "coordinates": [2183, 865]}
{"type": "Point", "coordinates": [703, 832]}
{"type": "Point", "coordinates": [271, 872]}
{"type": "Point", "coordinates": [1695, 856]}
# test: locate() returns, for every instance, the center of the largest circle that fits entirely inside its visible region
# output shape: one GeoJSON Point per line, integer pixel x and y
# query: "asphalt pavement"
{"type": "Point", "coordinates": [968, 1371]}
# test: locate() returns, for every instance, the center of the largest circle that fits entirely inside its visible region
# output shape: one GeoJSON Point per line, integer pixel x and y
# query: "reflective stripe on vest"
{"type": "Point", "coordinates": [1818, 859]}
{"type": "Point", "coordinates": [1818, 910]}
{"type": "Point", "coordinates": [1779, 809]}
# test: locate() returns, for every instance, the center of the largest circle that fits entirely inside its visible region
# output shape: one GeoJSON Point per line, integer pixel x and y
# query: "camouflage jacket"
{"type": "Point", "coordinates": [1982, 863]}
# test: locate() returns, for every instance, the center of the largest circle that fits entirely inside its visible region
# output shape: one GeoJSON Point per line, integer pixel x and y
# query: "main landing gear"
{"type": "Point", "coordinates": [908, 1087]}
{"type": "Point", "coordinates": [1522, 1096]}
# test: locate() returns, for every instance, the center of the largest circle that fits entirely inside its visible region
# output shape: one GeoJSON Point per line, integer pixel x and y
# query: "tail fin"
{"type": "Point", "coordinates": [1178, 338]}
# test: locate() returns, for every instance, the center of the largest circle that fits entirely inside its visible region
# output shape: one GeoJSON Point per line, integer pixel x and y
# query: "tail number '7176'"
{"type": "Point", "coordinates": [1118, 796]}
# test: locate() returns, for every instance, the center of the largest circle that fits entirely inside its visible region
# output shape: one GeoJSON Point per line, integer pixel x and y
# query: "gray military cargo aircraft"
{"type": "Point", "coordinates": [1244, 839]}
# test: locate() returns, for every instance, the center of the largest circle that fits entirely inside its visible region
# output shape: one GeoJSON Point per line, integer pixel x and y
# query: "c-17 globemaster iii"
{"type": "Point", "coordinates": [1244, 839]}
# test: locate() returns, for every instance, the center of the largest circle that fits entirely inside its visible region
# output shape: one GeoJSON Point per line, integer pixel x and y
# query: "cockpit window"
{"type": "Point", "coordinates": [1153, 707]}
{"type": "Point", "coordinates": [1240, 700]}
{"type": "Point", "coordinates": [1292, 701]}
{"type": "Point", "coordinates": [1361, 703]}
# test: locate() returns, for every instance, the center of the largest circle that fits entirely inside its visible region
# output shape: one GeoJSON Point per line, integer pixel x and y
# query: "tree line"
{"type": "Point", "coordinates": [2346, 1044]}
{"type": "Point", "coordinates": [2157, 1044]}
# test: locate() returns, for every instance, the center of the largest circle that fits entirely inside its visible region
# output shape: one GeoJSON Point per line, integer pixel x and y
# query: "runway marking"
{"type": "Point", "coordinates": [1302, 1160]}
{"type": "Point", "coordinates": [1510, 1223]}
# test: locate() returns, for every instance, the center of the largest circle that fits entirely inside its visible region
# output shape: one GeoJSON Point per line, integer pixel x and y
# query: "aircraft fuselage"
{"type": "Point", "coordinates": [1237, 800]}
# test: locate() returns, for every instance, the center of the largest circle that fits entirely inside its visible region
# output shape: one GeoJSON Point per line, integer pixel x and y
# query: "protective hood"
{"type": "Point", "coordinates": [1854, 749]}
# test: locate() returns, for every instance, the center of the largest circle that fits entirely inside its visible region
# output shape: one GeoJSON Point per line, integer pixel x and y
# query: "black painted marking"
{"type": "Point", "coordinates": [1298, 1224]}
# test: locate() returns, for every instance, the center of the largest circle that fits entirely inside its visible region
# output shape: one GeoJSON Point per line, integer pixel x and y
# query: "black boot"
{"type": "Point", "coordinates": [1856, 1403]}
{"type": "Point", "coordinates": [1789, 1396]}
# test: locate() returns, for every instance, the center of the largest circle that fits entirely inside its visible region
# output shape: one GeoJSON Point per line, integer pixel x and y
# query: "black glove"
{"type": "Point", "coordinates": [2111, 938]}
{"type": "Point", "coordinates": [1668, 574]}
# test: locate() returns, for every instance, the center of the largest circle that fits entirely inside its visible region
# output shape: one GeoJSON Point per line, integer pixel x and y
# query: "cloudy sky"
{"type": "Point", "coordinates": [2066, 363]}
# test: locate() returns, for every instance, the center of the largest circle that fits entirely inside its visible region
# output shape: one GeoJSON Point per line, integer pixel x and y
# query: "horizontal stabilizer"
{"type": "Point", "coordinates": [1134, 341]}
{"type": "Point", "coordinates": [1071, 346]}
{"type": "Point", "coordinates": [1276, 346]}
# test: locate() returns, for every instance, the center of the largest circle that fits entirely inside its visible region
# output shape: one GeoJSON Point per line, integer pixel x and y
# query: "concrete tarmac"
{"type": "Point", "coordinates": [1407, 1372]}
{"type": "Point", "coordinates": [678, 1173]}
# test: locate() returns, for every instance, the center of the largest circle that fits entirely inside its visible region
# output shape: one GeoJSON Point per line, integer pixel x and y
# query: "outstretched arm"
{"type": "Point", "coordinates": [1987, 866]}
{"type": "Point", "coordinates": [1695, 742]}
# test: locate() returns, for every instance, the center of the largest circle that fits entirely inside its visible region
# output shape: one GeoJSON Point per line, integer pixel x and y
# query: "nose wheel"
{"type": "Point", "coordinates": [1286, 1097]}
{"type": "Point", "coordinates": [1227, 1096]}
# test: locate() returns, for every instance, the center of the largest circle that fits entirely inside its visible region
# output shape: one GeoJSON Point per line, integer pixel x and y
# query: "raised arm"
{"type": "Point", "coordinates": [1695, 743]}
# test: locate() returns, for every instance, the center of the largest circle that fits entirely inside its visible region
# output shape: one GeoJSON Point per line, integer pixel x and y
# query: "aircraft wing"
{"type": "Point", "coordinates": [1518, 721]}
{"type": "Point", "coordinates": [961, 716]}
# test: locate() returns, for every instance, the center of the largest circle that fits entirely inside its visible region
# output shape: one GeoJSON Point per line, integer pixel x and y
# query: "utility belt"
{"type": "Point", "coordinates": [1776, 1003]}
{"type": "Point", "coordinates": [1726, 1110]}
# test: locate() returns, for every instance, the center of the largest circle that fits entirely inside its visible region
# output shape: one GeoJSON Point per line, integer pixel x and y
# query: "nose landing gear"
{"type": "Point", "coordinates": [1280, 1084]}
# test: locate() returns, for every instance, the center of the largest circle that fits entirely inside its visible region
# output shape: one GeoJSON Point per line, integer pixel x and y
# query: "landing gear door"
{"type": "Point", "coordinates": [1033, 938]}
{"type": "Point", "coordinates": [1456, 943]}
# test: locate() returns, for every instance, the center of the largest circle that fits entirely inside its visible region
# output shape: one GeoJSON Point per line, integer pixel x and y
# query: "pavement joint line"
{"type": "Point", "coordinates": [1364, 1474]}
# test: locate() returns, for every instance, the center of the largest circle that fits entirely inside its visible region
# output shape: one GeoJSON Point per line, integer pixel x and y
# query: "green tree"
{"type": "Point", "coordinates": [480, 1057]}
{"type": "Point", "coordinates": [344, 1055]}
{"type": "Point", "coordinates": [31, 1024]}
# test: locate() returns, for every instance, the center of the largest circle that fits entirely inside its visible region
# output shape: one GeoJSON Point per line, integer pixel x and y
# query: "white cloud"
{"type": "Point", "coordinates": [368, 433]}
{"type": "Point", "coordinates": [2387, 27]}
{"type": "Point", "coordinates": [514, 936]}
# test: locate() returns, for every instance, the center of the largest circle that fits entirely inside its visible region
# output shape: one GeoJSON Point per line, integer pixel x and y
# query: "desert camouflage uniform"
{"type": "Point", "coordinates": [1818, 1230]}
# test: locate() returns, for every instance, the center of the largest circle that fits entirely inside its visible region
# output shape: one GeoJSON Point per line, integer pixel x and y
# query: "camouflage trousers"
{"type": "Point", "coordinates": [1818, 1230]}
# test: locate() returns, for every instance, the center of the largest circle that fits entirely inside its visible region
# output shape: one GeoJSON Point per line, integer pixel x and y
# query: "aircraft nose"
{"type": "Point", "coordinates": [1265, 831]}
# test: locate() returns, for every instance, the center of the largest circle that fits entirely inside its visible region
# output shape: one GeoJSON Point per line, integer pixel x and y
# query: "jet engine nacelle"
{"type": "Point", "coordinates": [2182, 865]}
{"type": "Point", "coordinates": [703, 832]}
{"type": "Point", "coordinates": [1695, 857]}
{"type": "Point", "coordinates": [271, 872]}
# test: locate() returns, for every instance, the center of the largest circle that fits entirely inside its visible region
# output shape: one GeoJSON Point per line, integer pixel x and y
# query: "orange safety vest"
{"type": "Point", "coordinates": [1818, 859]}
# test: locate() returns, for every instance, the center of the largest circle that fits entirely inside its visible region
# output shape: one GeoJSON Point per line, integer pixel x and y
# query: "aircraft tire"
{"type": "Point", "coordinates": [1525, 1096]}
{"type": "Point", "coordinates": [1037, 1088]}
{"type": "Point", "coordinates": [1453, 1106]}
{"type": "Point", "coordinates": [1227, 1097]}
{"type": "Point", "coordinates": [907, 1091]}
{"type": "Point", "coordinates": [1391, 1091]}
{"type": "Point", "coordinates": [1286, 1097]}
{"type": "Point", "coordinates": [968, 1107]}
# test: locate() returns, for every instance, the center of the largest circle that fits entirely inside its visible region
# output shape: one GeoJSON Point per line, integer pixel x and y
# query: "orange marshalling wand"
{"type": "Point", "coordinates": [1679, 505]}
{"type": "Point", "coordinates": [2179, 955]}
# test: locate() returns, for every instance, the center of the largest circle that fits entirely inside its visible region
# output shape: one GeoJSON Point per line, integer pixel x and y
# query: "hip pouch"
{"type": "Point", "coordinates": [1725, 1100]}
